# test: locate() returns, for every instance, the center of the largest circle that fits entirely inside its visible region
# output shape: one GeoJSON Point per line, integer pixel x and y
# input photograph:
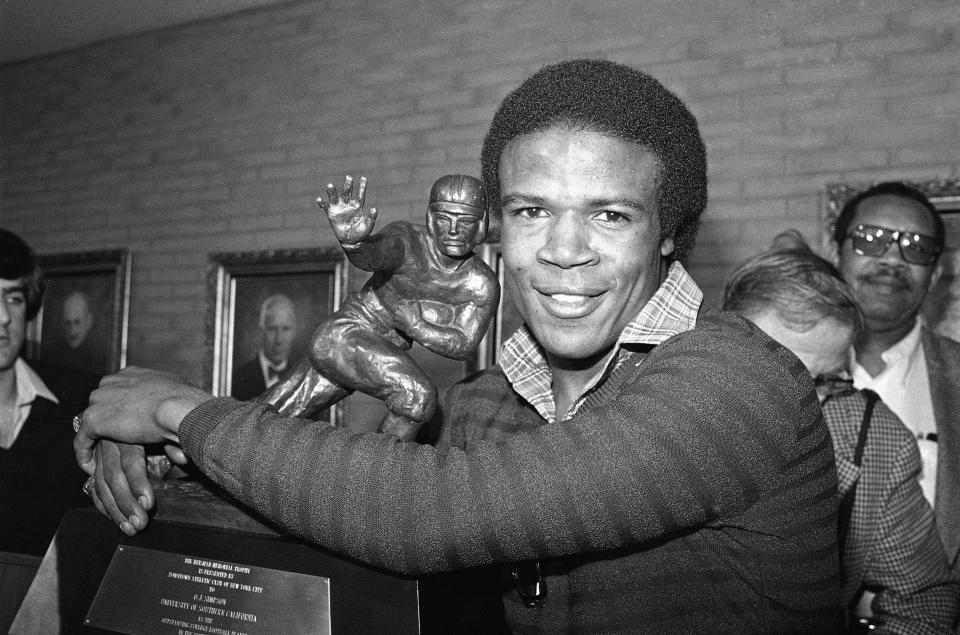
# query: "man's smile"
{"type": "Point", "coordinates": [569, 303]}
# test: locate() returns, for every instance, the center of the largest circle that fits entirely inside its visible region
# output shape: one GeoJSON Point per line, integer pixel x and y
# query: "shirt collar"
{"type": "Point", "coordinates": [906, 348]}
{"type": "Point", "coordinates": [266, 364]}
{"type": "Point", "coordinates": [672, 309]}
{"type": "Point", "coordinates": [29, 385]}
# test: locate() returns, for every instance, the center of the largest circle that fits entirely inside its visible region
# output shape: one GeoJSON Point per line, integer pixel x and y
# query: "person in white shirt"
{"type": "Point", "coordinates": [39, 480]}
{"type": "Point", "coordinates": [888, 240]}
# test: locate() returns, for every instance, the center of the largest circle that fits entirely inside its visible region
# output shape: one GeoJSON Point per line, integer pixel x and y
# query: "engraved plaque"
{"type": "Point", "coordinates": [195, 522]}
{"type": "Point", "coordinates": [150, 591]}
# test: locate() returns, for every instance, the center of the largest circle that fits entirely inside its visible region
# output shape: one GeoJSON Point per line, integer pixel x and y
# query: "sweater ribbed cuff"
{"type": "Point", "coordinates": [200, 422]}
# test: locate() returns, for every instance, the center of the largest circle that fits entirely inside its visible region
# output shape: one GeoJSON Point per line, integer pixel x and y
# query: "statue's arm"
{"type": "Point", "coordinates": [379, 252]}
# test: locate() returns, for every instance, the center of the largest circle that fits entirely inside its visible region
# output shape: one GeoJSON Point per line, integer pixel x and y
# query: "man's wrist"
{"type": "Point", "coordinates": [174, 410]}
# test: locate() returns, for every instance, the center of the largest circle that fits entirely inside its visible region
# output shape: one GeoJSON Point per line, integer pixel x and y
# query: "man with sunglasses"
{"type": "Point", "coordinates": [888, 538]}
{"type": "Point", "coordinates": [889, 238]}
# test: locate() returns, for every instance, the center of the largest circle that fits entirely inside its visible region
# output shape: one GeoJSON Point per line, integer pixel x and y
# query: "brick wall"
{"type": "Point", "coordinates": [218, 136]}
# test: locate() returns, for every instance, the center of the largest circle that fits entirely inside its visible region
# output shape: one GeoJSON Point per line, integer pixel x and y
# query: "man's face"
{"type": "Point", "coordinates": [580, 238]}
{"type": "Point", "coordinates": [77, 320]}
{"type": "Point", "coordinates": [454, 230]}
{"type": "Point", "coordinates": [889, 290]}
{"type": "Point", "coordinates": [279, 331]}
{"type": "Point", "coordinates": [13, 321]}
{"type": "Point", "coordinates": [823, 349]}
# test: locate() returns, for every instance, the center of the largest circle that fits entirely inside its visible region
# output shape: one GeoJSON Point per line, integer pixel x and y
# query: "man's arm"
{"type": "Point", "coordinates": [136, 406]}
{"type": "Point", "coordinates": [909, 567]}
{"type": "Point", "coordinates": [636, 468]}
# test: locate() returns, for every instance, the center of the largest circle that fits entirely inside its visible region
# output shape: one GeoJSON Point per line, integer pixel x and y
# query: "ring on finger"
{"type": "Point", "coordinates": [77, 422]}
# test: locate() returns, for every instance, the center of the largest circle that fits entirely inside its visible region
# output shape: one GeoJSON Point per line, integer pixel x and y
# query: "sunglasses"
{"type": "Point", "coordinates": [873, 240]}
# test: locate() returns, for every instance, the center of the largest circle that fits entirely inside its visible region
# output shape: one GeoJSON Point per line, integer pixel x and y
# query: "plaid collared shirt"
{"type": "Point", "coordinates": [672, 309]}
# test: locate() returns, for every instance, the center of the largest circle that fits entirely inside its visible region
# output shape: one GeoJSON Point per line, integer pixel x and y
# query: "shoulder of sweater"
{"type": "Point", "coordinates": [492, 376]}
{"type": "Point", "coordinates": [730, 338]}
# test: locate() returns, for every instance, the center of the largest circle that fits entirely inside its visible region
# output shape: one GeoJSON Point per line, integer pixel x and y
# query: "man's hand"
{"type": "Point", "coordinates": [350, 222]}
{"type": "Point", "coordinates": [122, 490]}
{"type": "Point", "coordinates": [137, 405]}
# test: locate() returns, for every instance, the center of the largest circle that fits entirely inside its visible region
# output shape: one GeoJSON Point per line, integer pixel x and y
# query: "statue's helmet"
{"type": "Point", "coordinates": [461, 190]}
{"type": "Point", "coordinates": [462, 194]}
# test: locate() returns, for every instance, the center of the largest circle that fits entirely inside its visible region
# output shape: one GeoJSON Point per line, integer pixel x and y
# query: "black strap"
{"type": "Point", "coordinates": [845, 510]}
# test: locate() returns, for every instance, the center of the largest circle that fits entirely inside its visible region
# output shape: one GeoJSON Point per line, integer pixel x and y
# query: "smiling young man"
{"type": "Point", "coordinates": [637, 465]}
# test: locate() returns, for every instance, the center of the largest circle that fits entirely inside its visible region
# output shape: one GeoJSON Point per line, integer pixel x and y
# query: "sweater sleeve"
{"type": "Point", "coordinates": [684, 442]}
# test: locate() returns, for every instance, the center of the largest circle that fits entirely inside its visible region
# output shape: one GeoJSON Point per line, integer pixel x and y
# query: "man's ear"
{"type": "Point", "coordinates": [667, 244]}
{"type": "Point", "coordinates": [935, 275]}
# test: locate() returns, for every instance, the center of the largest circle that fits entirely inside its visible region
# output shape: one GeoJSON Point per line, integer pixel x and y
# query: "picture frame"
{"type": "Point", "coordinates": [507, 319]}
{"type": "Point", "coordinates": [941, 307]}
{"type": "Point", "coordinates": [83, 321]}
{"type": "Point", "coordinates": [292, 286]}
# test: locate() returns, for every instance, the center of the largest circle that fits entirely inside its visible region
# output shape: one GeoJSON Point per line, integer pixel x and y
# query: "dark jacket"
{"type": "Point", "coordinates": [39, 477]}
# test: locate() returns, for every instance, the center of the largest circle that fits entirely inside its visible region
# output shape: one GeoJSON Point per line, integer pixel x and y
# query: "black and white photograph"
{"type": "Point", "coordinates": [553, 316]}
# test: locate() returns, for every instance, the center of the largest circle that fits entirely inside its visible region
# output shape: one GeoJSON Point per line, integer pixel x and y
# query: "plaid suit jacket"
{"type": "Point", "coordinates": [892, 547]}
{"type": "Point", "coordinates": [943, 368]}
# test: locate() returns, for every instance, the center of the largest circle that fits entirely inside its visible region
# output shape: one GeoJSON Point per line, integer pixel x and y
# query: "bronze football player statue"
{"type": "Point", "coordinates": [427, 287]}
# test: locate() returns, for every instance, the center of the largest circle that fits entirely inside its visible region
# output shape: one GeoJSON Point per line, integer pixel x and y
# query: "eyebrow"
{"type": "Point", "coordinates": [14, 289]}
{"type": "Point", "coordinates": [599, 202]}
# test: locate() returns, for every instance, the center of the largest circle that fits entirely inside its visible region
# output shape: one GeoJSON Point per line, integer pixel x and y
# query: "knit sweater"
{"type": "Point", "coordinates": [705, 495]}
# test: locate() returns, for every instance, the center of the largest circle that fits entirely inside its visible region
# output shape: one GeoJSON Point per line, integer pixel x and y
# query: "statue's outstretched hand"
{"type": "Point", "coordinates": [350, 222]}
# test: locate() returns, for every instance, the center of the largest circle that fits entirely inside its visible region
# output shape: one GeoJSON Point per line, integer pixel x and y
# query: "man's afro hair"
{"type": "Point", "coordinates": [623, 103]}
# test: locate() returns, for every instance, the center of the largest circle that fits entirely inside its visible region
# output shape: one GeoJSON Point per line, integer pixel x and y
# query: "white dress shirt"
{"type": "Point", "coordinates": [29, 387]}
{"type": "Point", "coordinates": [905, 387]}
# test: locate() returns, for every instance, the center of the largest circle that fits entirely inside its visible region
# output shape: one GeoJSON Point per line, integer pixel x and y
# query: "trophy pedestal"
{"type": "Point", "coordinates": [205, 565]}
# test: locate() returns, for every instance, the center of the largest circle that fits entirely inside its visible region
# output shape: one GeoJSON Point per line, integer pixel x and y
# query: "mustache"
{"type": "Point", "coordinates": [886, 275]}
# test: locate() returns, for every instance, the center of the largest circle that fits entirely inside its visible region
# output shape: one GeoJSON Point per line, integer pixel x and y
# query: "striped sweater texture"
{"type": "Point", "coordinates": [696, 490]}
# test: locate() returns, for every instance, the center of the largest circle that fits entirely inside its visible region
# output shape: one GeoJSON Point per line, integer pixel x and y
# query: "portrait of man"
{"type": "Point", "coordinates": [77, 319]}
{"type": "Point", "coordinates": [278, 331]}
{"type": "Point", "coordinates": [76, 324]}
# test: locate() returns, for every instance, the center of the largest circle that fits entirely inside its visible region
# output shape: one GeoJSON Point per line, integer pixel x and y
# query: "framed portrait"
{"type": "Point", "coordinates": [941, 308]}
{"type": "Point", "coordinates": [507, 319]}
{"type": "Point", "coordinates": [83, 321]}
{"type": "Point", "coordinates": [263, 306]}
